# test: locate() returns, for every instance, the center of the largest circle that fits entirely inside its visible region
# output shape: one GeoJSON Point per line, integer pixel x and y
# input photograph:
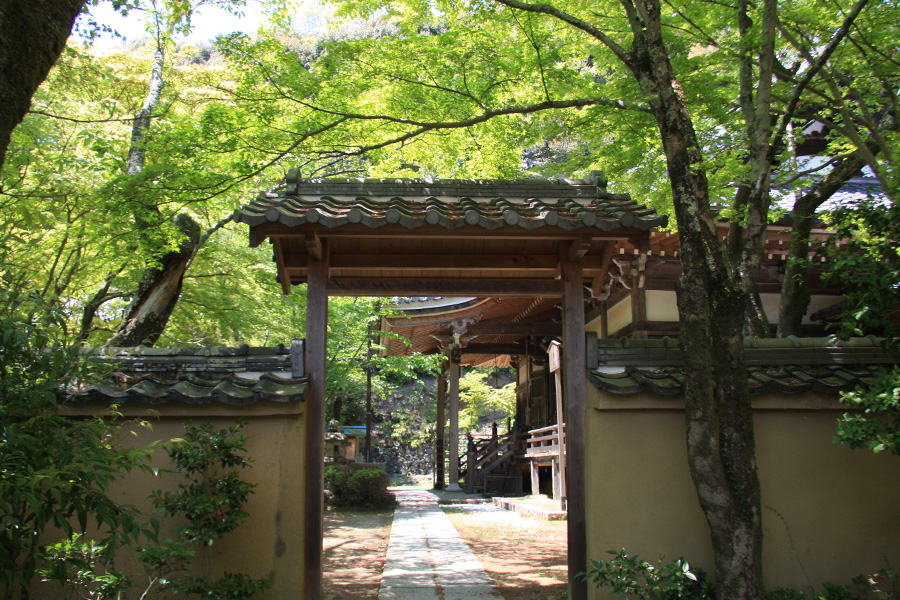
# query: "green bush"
{"type": "Point", "coordinates": [632, 577]}
{"type": "Point", "coordinates": [361, 488]}
{"type": "Point", "coordinates": [55, 471]}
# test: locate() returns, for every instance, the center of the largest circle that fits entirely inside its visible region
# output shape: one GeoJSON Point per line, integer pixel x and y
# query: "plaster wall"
{"type": "Point", "coordinates": [269, 544]}
{"type": "Point", "coordinates": [619, 316]}
{"type": "Point", "coordinates": [829, 513]}
{"type": "Point", "coordinates": [662, 305]}
{"type": "Point", "coordinates": [595, 325]}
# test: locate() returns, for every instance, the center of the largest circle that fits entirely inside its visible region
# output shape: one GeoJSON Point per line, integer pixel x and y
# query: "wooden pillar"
{"type": "Point", "coordinates": [314, 447]}
{"type": "Point", "coordinates": [453, 443]}
{"type": "Point", "coordinates": [471, 466]}
{"type": "Point", "coordinates": [535, 478]}
{"type": "Point", "coordinates": [439, 479]}
{"type": "Point", "coordinates": [575, 381]}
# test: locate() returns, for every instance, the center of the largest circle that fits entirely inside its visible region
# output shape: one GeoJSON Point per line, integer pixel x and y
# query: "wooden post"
{"type": "Point", "coordinates": [559, 477]}
{"type": "Point", "coordinates": [454, 426]}
{"type": "Point", "coordinates": [314, 447]}
{"type": "Point", "coordinates": [471, 464]}
{"type": "Point", "coordinates": [440, 481]}
{"type": "Point", "coordinates": [575, 382]}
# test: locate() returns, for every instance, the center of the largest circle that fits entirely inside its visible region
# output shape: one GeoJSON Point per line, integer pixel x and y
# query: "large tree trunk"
{"type": "Point", "coordinates": [159, 291]}
{"type": "Point", "coordinates": [719, 422]}
{"type": "Point", "coordinates": [33, 34]}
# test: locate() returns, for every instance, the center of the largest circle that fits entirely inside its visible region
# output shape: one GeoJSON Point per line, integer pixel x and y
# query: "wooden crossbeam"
{"type": "Point", "coordinates": [424, 286]}
{"type": "Point", "coordinates": [267, 230]}
{"type": "Point", "coordinates": [515, 329]}
{"type": "Point", "coordinates": [496, 349]}
{"type": "Point", "coordinates": [440, 262]}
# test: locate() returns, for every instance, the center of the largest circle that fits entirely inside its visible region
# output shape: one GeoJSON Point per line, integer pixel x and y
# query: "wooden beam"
{"type": "Point", "coordinates": [275, 229]}
{"type": "Point", "coordinates": [441, 262]}
{"type": "Point", "coordinates": [283, 276]}
{"type": "Point", "coordinates": [600, 279]}
{"type": "Point", "coordinates": [424, 286]}
{"type": "Point", "coordinates": [515, 329]}
{"type": "Point", "coordinates": [314, 444]}
{"type": "Point", "coordinates": [575, 378]}
{"type": "Point", "coordinates": [495, 349]}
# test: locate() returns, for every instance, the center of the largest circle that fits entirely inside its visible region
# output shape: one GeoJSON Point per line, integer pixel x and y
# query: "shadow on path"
{"type": "Point", "coordinates": [427, 559]}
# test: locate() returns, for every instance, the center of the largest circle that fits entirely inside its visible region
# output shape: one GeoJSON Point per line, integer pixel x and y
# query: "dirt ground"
{"type": "Point", "coordinates": [525, 557]}
{"type": "Point", "coordinates": [355, 545]}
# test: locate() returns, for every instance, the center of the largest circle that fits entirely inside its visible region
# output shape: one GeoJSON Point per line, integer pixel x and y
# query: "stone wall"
{"type": "Point", "coordinates": [403, 459]}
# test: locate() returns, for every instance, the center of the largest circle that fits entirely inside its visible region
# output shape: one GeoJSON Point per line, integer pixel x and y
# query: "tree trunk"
{"type": "Point", "coordinates": [720, 440]}
{"type": "Point", "coordinates": [159, 290]}
{"type": "Point", "coordinates": [33, 34]}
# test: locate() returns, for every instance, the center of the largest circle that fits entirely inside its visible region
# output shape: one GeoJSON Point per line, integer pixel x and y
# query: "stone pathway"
{"type": "Point", "coordinates": [427, 559]}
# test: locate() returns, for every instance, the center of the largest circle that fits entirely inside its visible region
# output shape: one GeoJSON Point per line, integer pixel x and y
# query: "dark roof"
{"type": "Point", "coordinates": [449, 203]}
{"type": "Point", "coordinates": [233, 376]}
{"type": "Point", "coordinates": [788, 365]}
{"type": "Point", "coordinates": [855, 191]}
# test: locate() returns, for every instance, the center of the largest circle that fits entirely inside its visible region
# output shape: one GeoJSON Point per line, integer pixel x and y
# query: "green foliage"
{"type": "Point", "coordinates": [81, 565]}
{"type": "Point", "coordinates": [875, 421]}
{"type": "Point", "coordinates": [231, 586]}
{"type": "Point", "coordinates": [783, 593]}
{"type": "Point", "coordinates": [479, 399]}
{"type": "Point", "coordinates": [55, 472]}
{"type": "Point", "coordinates": [865, 260]}
{"type": "Point", "coordinates": [357, 488]}
{"type": "Point", "coordinates": [863, 587]}
{"type": "Point", "coordinates": [632, 577]}
{"type": "Point", "coordinates": [212, 499]}
{"type": "Point", "coordinates": [864, 255]}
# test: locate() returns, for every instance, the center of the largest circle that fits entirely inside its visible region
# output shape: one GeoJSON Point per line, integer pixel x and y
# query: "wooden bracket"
{"type": "Point", "coordinates": [314, 245]}
{"type": "Point", "coordinates": [578, 248]}
{"type": "Point", "coordinates": [599, 280]}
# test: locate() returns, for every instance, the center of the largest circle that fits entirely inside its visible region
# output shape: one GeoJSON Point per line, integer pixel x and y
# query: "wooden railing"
{"type": "Point", "coordinates": [489, 456]}
{"type": "Point", "coordinates": [544, 441]}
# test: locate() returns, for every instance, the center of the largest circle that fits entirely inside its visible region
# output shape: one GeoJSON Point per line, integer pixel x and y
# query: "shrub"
{"type": "Point", "coordinates": [211, 499]}
{"type": "Point", "coordinates": [632, 577]}
{"type": "Point", "coordinates": [56, 471]}
{"type": "Point", "coordinates": [361, 488]}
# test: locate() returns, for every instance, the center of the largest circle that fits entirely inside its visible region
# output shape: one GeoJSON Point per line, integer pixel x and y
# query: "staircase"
{"type": "Point", "coordinates": [488, 465]}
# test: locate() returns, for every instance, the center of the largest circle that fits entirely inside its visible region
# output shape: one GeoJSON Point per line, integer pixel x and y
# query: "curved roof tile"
{"type": "Point", "coordinates": [194, 376]}
{"type": "Point", "coordinates": [786, 366]}
{"type": "Point", "coordinates": [449, 203]}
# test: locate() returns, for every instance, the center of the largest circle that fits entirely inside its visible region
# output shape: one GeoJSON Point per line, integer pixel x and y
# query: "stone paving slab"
{"type": "Point", "coordinates": [427, 559]}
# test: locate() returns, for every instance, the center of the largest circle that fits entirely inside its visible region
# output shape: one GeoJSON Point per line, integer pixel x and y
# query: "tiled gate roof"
{"type": "Point", "coordinates": [449, 203]}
